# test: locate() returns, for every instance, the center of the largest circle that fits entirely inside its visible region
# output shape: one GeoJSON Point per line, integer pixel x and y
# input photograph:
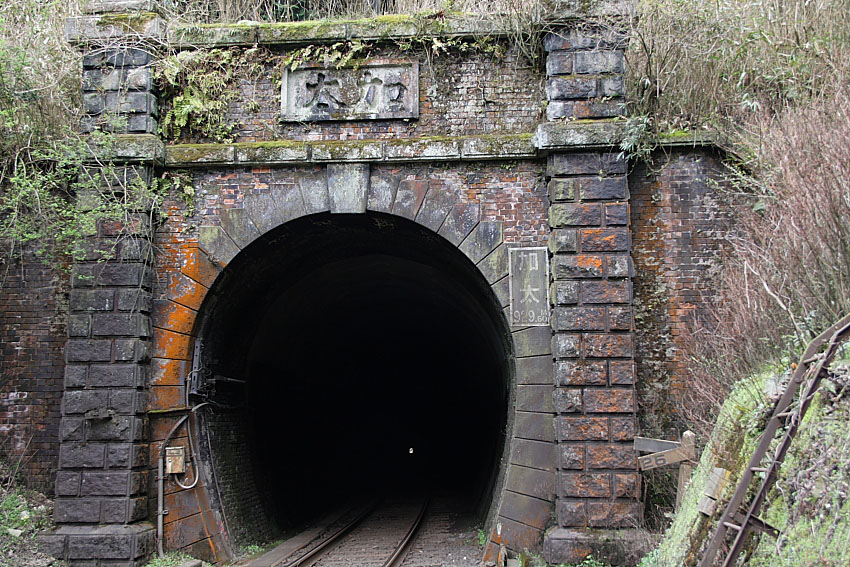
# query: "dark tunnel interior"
{"type": "Point", "coordinates": [358, 355]}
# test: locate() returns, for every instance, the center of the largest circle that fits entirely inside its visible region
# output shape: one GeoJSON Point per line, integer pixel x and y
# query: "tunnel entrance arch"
{"type": "Point", "coordinates": [332, 347]}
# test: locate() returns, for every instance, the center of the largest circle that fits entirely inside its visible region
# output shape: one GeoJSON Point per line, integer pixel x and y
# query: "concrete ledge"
{"type": "Point", "coordinates": [477, 148]}
{"type": "Point", "coordinates": [387, 27]}
{"type": "Point", "coordinates": [579, 134]}
{"type": "Point", "coordinates": [106, 6]}
{"type": "Point", "coordinates": [131, 148]}
{"type": "Point", "coordinates": [81, 29]}
{"type": "Point", "coordinates": [615, 547]}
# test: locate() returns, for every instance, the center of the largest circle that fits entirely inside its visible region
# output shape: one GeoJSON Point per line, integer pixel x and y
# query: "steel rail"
{"type": "Point", "coordinates": [328, 541]}
{"type": "Point", "coordinates": [400, 551]}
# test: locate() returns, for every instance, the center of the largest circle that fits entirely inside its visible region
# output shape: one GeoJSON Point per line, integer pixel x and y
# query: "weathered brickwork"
{"type": "Point", "coordinates": [681, 218]}
{"type": "Point", "coordinates": [33, 315]}
{"type": "Point", "coordinates": [459, 95]}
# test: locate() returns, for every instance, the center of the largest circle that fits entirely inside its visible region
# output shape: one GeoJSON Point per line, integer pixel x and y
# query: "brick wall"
{"type": "Point", "coordinates": [680, 218]}
{"type": "Point", "coordinates": [472, 94]}
{"type": "Point", "coordinates": [33, 315]}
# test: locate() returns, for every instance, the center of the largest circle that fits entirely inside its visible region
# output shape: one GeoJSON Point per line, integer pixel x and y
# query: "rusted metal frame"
{"type": "Point", "coordinates": [731, 514]}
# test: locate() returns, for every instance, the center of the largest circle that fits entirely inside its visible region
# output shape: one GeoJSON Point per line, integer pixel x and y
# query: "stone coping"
{"type": "Point", "coordinates": [565, 136]}
{"type": "Point", "coordinates": [465, 148]}
{"type": "Point", "coordinates": [549, 137]}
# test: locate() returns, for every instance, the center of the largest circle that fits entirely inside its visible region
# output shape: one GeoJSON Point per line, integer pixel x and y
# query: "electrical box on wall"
{"type": "Point", "coordinates": [175, 460]}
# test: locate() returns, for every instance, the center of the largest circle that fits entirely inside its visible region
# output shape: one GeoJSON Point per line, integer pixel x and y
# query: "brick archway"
{"type": "Point", "coordinates": [522, 498]}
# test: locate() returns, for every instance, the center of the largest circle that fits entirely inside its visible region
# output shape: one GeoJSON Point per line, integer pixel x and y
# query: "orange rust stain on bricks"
{"type": "Point", "coordinates": [166, 397]}
{"type": "Point", "coordinates": [186, 291]}
{"type": "Point", "coordinates": [165, 372]}
{"type": "Point", "coordinates": [167, 344]}
{"type": "Point", "coordinates": [197, 265]}
{"type": "Point", "coordinates": [173, 316]}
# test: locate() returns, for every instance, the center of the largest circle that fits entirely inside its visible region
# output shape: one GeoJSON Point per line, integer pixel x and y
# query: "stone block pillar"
{"type": "Point", "coordinates": [102, 482]}
{"type": "Point", "coordinates": [593, 334]}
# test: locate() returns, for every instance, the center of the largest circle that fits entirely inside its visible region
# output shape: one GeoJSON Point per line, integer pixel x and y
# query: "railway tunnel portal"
{"type": "Point", "coordinates": [344, 355]}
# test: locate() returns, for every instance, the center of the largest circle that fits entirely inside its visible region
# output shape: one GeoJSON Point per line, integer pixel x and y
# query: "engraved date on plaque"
{"type": "Point", "coordinates": [381, 89]}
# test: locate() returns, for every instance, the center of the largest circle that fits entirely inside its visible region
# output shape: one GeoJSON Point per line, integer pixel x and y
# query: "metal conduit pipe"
{"type": "Point", "coordinates": [160, 495]}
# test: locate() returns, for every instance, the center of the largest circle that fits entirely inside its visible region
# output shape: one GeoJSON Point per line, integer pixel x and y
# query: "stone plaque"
{"type": "Point", "coordinates": [528, 270]}
{"type": "Point", "coordinates": [379, 89]}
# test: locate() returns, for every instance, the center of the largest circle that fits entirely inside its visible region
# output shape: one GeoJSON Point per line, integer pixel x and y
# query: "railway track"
{"type": "Point", "coordinates": [378, 535]}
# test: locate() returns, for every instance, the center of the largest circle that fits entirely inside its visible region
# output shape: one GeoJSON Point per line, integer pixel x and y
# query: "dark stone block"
{"type": "Point", "coordinates": [114, 483]}
{"type": "Point", "coordinates": [116, 376]}
{"type": "Point", "coordinates": [604, 188]}
{"type": "Point", "coordinates": [608, 346]}
{"type": "Point", "coordinates": [609, 400]}
{"type": "Point", "coordinates": [599, 62]}
{"type": "Point", "coordinates": [76, 376]}
{"type": "Point", "coordinates": [91, 300]}
{"type": "Point", "coordinates": [619, 266]}
{"type": "Point", "coordinates": [565, 345]}
{"type": "Point", "coordinates": [72, 429]}
{"type": "Point", "coordinates": [115, 324]}
{"type": "Point", "coordinates": [76, 511]}
{"type": "Point", "coordinates": [584, 109]}
{"type": "Point", "coordinates": [116, 428]}
{"type": "Point", "coordinates": [132, 102]}
{"type": "Point", "coordinates": [563, 240]}
{"type": "Point", "coordinates": [606, 292]}
{"type": "Point", "coordinates": [611, 456]}
{"type": "Point", "coordinates": [570, 88]}
{"type": "Point", "coordinates": [81, 401]}
{"type": "Point", "coordinates": [134, 300]}
{"type": "Point", "coordinates": [584, 485]}
{"type": "Point", "coordinates": [127, 402]}
{"type": "Point", "coordinates": [534, 341]}
{"type": "Point", "coordinates": [575, 214]}
{"type": "Point", "coordinates": [571, 457]}
{"type": "Point", "coordinates": [581, 373]}
{"type": "Point", "coordinates": [534, 398]}
{"type": "Point", "coordinates": [579, 319]}
{"type": "Point", "coordinates": [571, 513]}
{"type": "Point", "coordinates": [101, 547]}
{"type": "Point", "coordinates": [81, 455]}
{"type": "Point", "coordinates": [67, 483]}
{"type": "Point", "coordinates": [531, 482]}
{"type": "Point", "coordinates": [617, 214]}
{"type": "Point", "coordinates": [521, 508]}
{"type": "Point", "coordinates": [52, 544]}
{"type": "Point", "coordinates": [565, 293]}
{"type": "Point", "coordinates": [132, 350]}
{"type": "Point", "coordinates": [604, 240]}
{"type": "Point", "coordinates": [612, 86]}
{"type": "Point", "coordinates": [85, 350]}
{"type": "Point", "coordinates": [113, 510]}
{"type": "Point", "coordinates": [534, 370]}
{"type": "Point", "coordinates": [534, 426]}
{"type": "Point", "coordinates": [620, 318]}
{"type": "Point", "coordinates": [79, 325]}
{"type": "Point", "coordinates": [567, 400]}
{"type": "Point", "coordinates": [534, 454]}
{"type": "Point", "coordinates": [559, 63]}
{"type": "Point", "coordinates": [622, 372]}
{"type": "Point", "coordinates": [572, 266]}
{"type": "Point", "coordinates": [582, 428]}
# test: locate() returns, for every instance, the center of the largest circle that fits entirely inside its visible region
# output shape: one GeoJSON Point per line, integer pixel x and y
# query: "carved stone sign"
{"type": "Point", "coordinates": [528, 270]}
{"type": "Point", "coordinates": [380, 89]}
